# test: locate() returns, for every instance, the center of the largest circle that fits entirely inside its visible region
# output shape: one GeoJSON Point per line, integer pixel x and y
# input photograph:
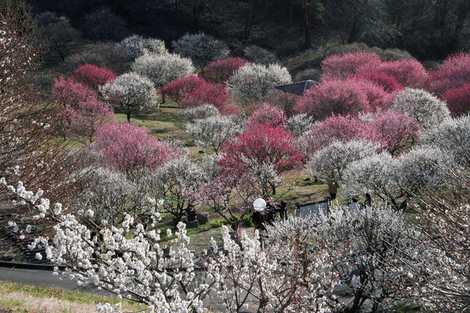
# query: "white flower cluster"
{"type": "Point", "coordinates": [201, 48]}
{"type": "Point", "coordinates": [130, 92]}
{"type": "Point", "coordinates": [299, 124]}
{"type": "Point", "coordinates": [212, 132]}
{"type": "Point", "coordinates": [200, 112]}
{"type": "Point", "coordinates": [419, 104]}
{"type": "Point", "coordinates": [164, 68]}
{"type": "Point", "coordinates": [136, 46]}
{"type": "Point", "coordinates": [253, 82]}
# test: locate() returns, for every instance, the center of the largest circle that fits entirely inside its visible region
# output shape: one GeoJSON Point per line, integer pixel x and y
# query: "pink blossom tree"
{"type": "Point", "coordinates": [333, 97]}
{"type": "Point", "coordinates": [343, 66]}
{"type": "Point", "coordinates": [458, 99]}
{"type": "Point", "coordinates": [335, 128]}
{"type": "Point", "coordinates": [388, 82]}
{"type": "Point", "coordinates": [67, 91]}
{"type": "Point", "coordinates": [128, 147]}
{"type": "Point", "coordinates": [220, 71]}
{"type": "Point", "coordinates": [84, 119]}
{"type": "Point", "coordinates": [93, 76]}
{"type": "Point", "coordinates": [179, 88]}
{"type": "Point", "coordinates": [206, 93]}
{"type": "Point", "coordinates": [261, 146]}
{"type": "Point", "coordinates": [453, 73]}
{"type": "Point", "coordinates": [408, 72]}
{"type": "Point", "coordinates": [267, 114]}
{"type": "Point", "coordinates": [393, 131]}
{"type": "Point", "coordinates": [377, 98]}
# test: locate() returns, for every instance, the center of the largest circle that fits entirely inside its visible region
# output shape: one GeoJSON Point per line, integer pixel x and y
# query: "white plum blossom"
{"type": "Point", "coordinates": [162, 69]}
{"type": "Point", "coordinates": [452, 136]}
{"type": "Point", "coordinates": [200, 112]}
{"type": "Point", "coordinates": [212, 132]}
{"type": "Point", "coordinates": [136, 46]}
{"type": "Point", "coordinates": [330, 162]}
{"type": "Point", "coordinates": [419, 104]}
{"type": "Point", "coordinates": [200, 48]}
{"type": "Point", "coordinates": [253, 82]}
{"type": "Point", "coordinates": [130, 93]}
{"type": "Point", "coordinates": [299, 124]}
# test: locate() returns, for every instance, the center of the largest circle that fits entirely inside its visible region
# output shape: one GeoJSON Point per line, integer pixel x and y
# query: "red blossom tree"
{"type": "Point", "coordinates": [84, 119]}
{"type": "Point", "coordinates": [393, 131]}
{"type": "Point", "coordinates": [408, 72]}
{"type": "Point", "coordinates": [388, 82]}
{"type": "Point", "coordinates": [453, 73]}
{"type": "Point", "coordinates": [284, 100]}
{"type": "Point", "coordinates": [377, 98]}
{"type": "Point", "coordinates": [335, 128]}
{"type": "Point", "coordinates": [343, 66]}
{"type": "Point", "coordinates": [333, 97]}
{"type": "Point", "coordinates": [127, 147]}
{"type": "Point", "coordinates": [458, 99]}
{"type": "Point", "coordinates": [67, 91]}
{"type": "Point", "coordinates": [219, 71]}
{"type": "Point", "coordinates": [267, 114]}
{"type": "Point", "coordinates": [261, 144]}
{"type": "Point", "coordinates": [206, 93]}
{"type": "Point", "coordinates": [92, 75]}
{"type": "Point", "coordinates": [179, 88]}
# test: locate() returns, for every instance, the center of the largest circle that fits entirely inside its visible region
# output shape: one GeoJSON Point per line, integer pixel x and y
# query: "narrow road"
{"type": "Point", "coordinates": [41, 278]}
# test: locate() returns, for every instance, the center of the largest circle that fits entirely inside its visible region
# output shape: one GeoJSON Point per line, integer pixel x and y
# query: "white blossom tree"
{"type": "Point", "coordinates": [175, 185]}
{"type": "Point", "coordinates": [200, 112]}
{"type": "Point", "coordinates": [299, 124]}
{"type": "Point", "coordinates": [162, 69]}
{"type": "Point", "coordinates": [253, 82]}
{"type": "Point", "coordinates": [453, 137]}
{"type": "Point", "coordinates": [135, 46]}
{"type": "Point", "coordinates": [212, 132]}
{"type": "Point", "coordinates": [200, 48]}
{"type": "Point", "coordinates": [419, 104]}
{"type": "Point", "coordinates": [330, 162]}
{"type": "Point", "coordinates": [130, 93]}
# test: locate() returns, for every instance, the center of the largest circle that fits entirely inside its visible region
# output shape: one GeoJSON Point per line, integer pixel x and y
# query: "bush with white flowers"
{"type": "Point", "coordinates": [200, 112]}
{"type": "Point", "coordinates": [136, 46]}
{"type": "Point", "coordinates": [419, 104]}
{"type": "Point", "coordinates": [162, 69]}
{"type": "Point", "coordinates": [212, 132]}
{"type": "Point", "coordinates": [130, 93]}
{"type": "Point", "coordinates": [253, 82]}
{"type": "Point", "coordinates": [330, 162]}
{"type": "Point", "coordinates": [201, 48]}
{"type": "Point", "coordinates": [452, 136]}
{"type": "Point", "coordinates": [299, 124]}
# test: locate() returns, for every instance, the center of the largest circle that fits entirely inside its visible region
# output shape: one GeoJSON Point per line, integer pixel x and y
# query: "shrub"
{"type": "Point", "coordinates": [284, 100]}
{"type": "Point", "coordinates": [215, 94]}
{"type": "Point", "coordinates": [333, 97]}
{"type": "Point", "coordinates": [335, 128]}
{"type": "Point", "coordinates": [162, 69]}
{"type": "Point", "coordinates": [408, 72]}
{"type": "Point", "coordinates": [428, 110]}
{"type": "Point", "coordinates": [93, 76]}
{"type": "Point", "coordinates": [342, 66]}
{"type": "Point", "coordinates": [458, 99]}
{"type": "Point", "coordinates": [179, 88]}
{"type": "Point", "coordinates": [136, 46]}
{"type": "Point", "coordinates": [267, 114]}
{"type": "Point", "coordinates": [377, 98]}
{"type": "Point", "coordinates": [130, 93]}
{"type": "Point", "coordinates": [200, 48]}
{"type": "Point", "coordinates": [128, 148]}
{"type": "Point", "coordinates": [452, 137]}
{"type": "Point", "coordinates": [259, 55]}
{"type": "Point", "coordinates": [393, 131]}
{"type": "Point", "coordinates": [453, 73]}
{"type": "Point", "coordinates": [220, 71]}
{"type": "Point", "coordinates": [253, 82]}
{"type": "Point", "coordinates": [67, 91]}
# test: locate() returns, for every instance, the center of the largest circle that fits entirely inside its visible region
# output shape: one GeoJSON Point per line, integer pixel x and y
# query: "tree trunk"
{"type": "Point", "coordinates": [307, 24]}
{"type": "Point", "coordinates": [128, 115]}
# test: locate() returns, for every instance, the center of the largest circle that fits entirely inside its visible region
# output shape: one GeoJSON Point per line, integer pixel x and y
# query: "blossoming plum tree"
{"type": "Point", "coordinates": [93, 76]}
{"type": "Point", "coordinates": [343, 66]}
{"type": "Point", "coordinates": [136, 46]}
{"type": "Point", "coordinates": [69, 92]}
{"type": "Point", "coordinates": [201, 48]}
{"type": "Point", "coordinates": [130, 93]}
{"type": "Point", "coordinates": [220, 71]}
{"type": "Point", "coordinates": [268, 115]}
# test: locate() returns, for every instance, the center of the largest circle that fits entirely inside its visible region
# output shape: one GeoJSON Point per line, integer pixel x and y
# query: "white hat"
{"type": "Point", "coordinates": [259, 205]}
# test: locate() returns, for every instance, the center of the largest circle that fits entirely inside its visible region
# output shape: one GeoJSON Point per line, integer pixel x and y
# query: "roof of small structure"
{"type": "Point", "coordinates": [297, 88]}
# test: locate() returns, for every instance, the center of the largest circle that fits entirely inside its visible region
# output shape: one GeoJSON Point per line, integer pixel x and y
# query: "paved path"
{"type": "Point", "coordinates": [40, 278]}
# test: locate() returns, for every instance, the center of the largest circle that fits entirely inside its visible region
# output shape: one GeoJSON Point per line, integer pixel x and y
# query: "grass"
{"type": "Point", "coordinates": [21, 298]}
